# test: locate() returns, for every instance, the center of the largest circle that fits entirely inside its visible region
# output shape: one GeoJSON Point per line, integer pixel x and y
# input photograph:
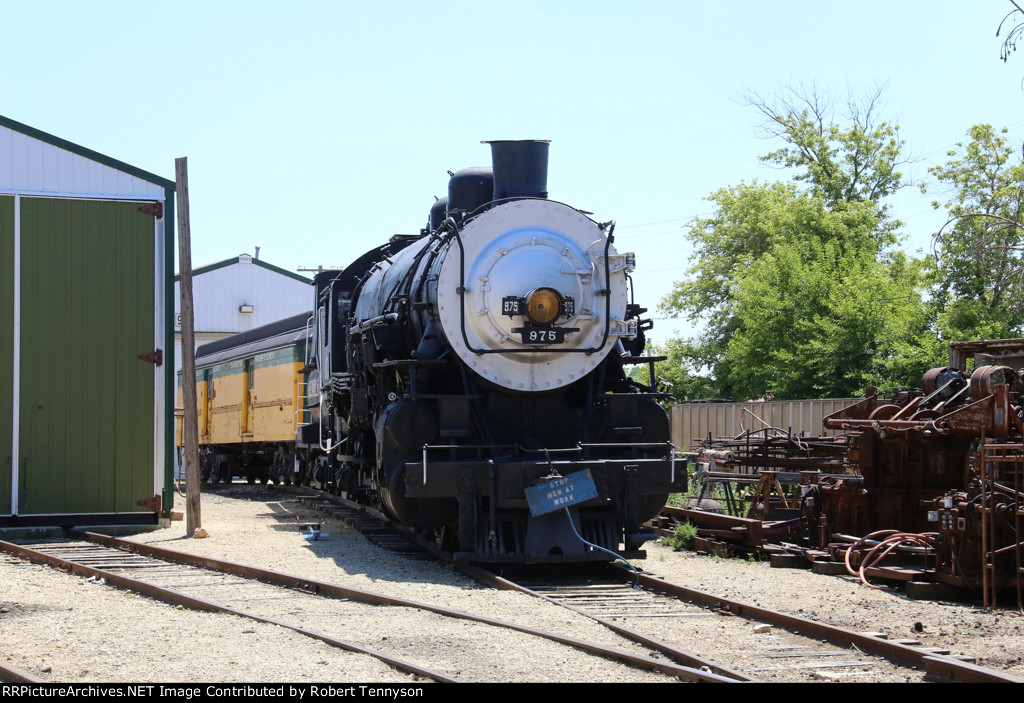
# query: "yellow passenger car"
{"type": "Point", "coordinates": [248, 396]}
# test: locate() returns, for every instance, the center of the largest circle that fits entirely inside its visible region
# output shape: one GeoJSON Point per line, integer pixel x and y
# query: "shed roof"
{"type": "Point", "coordinates": [247, 259]}
{"type": "Point", "coordinates": [33, 162]}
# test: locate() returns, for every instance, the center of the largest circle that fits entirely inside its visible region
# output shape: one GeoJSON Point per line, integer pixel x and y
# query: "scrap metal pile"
{"type": "Point", "coordinates": [755, 488]}
{"type": "Point", "coordinates": [927, 485]}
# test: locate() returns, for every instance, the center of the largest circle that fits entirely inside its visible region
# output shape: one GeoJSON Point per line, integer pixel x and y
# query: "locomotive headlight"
{"type": "Point", "coordinates": [544, 305]}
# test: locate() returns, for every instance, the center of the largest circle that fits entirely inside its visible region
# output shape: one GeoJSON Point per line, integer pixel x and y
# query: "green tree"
{"type": "Point", "coordinates": [978, 252]}
{"type": "Point", "coordinates": [824, 322]}
{"type": "Point", "coordinates": [796, 299]}
{"type": "Point", "coordinates": [677, 375]}
{"type": "Point", "coordinates": [855, 161]}
{"type": "Point", "coordinates": [801, 292]}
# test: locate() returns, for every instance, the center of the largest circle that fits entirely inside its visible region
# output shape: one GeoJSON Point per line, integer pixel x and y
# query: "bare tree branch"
{"type": "Point", "coordinates": [1010, 43]}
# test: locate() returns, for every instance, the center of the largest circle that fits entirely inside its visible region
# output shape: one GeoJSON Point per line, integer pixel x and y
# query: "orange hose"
{"type": "Point", "coordinates": [886, 546]}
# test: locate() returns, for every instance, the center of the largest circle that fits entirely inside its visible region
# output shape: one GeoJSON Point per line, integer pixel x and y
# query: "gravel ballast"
{"type": "Point", "coordinates": [60, 627]}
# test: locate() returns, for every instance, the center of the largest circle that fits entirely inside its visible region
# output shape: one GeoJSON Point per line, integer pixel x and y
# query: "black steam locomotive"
{"type": "Point", "coordinates": [451, 371]}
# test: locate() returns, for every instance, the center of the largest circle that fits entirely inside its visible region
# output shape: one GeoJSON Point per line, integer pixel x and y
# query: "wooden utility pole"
{"type": "Point", "coordinates": [193, 520]}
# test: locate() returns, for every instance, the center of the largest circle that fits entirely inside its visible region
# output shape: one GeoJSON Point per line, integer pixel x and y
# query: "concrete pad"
{"type": "Point", "coordinates": [117, 530]}
{"type": "Point", "coordinates": [30, 534]}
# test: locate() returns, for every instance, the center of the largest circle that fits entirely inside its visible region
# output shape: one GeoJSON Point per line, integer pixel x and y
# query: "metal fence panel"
{"type": "Point", "coordinates": [692, 422]}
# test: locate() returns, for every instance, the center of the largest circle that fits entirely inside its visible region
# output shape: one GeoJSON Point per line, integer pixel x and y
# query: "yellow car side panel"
{"type": "Point", "coordinates": [248, 400]}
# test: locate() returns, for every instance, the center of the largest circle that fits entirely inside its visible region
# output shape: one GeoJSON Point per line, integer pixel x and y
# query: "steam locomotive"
{"type": "Point", "coordinates": [448, 373]}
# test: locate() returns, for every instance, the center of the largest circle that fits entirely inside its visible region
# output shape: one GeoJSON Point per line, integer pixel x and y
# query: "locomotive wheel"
{"type": "Point", "coordinates": [205, 467]}
{"type": "Point", "coordinates": [447, 538]}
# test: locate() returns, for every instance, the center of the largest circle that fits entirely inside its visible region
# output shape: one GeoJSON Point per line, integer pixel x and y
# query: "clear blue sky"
{"type": "Point", "coordinates": [315, 130]}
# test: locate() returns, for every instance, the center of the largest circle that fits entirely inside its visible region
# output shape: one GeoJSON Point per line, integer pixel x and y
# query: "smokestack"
{"type": "Point", "coordinates": [520, 168]}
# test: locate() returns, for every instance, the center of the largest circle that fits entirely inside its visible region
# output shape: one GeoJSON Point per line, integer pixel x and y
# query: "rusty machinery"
{"type": "Point", "coordinates": [765, 476]}
{"type": "Point", "coordinates": [766, 464]}
{"type": "Point", "coordinates": [944, 463]}
{"type": "Point", "coordinates": [934, 476]}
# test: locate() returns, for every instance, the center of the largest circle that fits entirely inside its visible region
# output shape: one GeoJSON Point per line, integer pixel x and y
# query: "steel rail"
{"type": "Point", "coordinates": [934, 665]}
{"type": "Point", "coordinates": [331, 590]}
{"type": "Point", "coordinates": [894, 651]}
{"type": "Point", "coordinates": [12, 674]}
{"type": "Point", "coordinates": [710, 671]}
{"type": "Point", "coordinates": [177, 598]}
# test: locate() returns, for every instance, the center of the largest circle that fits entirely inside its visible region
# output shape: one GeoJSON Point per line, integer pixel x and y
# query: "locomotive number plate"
{"type": "Point", "coordinates": [543, 335]}
{"type": "Point", "coordinates": [512, 305]}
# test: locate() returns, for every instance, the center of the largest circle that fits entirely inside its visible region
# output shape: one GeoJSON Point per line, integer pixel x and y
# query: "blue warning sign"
{"type": "Point", "coordinates": [561, 493]}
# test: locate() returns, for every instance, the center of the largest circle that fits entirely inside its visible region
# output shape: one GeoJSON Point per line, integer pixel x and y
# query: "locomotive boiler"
{"type": "Point", "coordinates": [452, 370]}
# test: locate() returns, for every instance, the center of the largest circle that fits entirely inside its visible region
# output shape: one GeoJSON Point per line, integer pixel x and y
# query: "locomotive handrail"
{"type": "Point", "coordinates": [324, 413]}
{"type": "Point", "coordinates": [579, 446]}
{"type": "Point", "coordinates": [620, 445]}
{"type": "Point", "coordinates": [302, 387]}
{"type": "Point", "coordinates": [670, 445]}
{"type": "Point", "coordinates": [543, 450]}
{"type": "Point", "coordinates": [308, 339]}
{"type": "Point", "coordinates": [451, 226]}
{"type": "Point", "coordinates": [387, 363]}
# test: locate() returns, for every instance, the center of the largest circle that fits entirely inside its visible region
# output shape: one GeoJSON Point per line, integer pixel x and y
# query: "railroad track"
{"type": "Point", "coordinates": [760, 644]}
{"type": "Point", "coordinates": [670, 618]}
{"type": "Point", "coordinates": [347, 618]}
{"type": "Point", "coordinates": [377, 528]}
{"type": "Point", "coordinates": [768, 645]}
